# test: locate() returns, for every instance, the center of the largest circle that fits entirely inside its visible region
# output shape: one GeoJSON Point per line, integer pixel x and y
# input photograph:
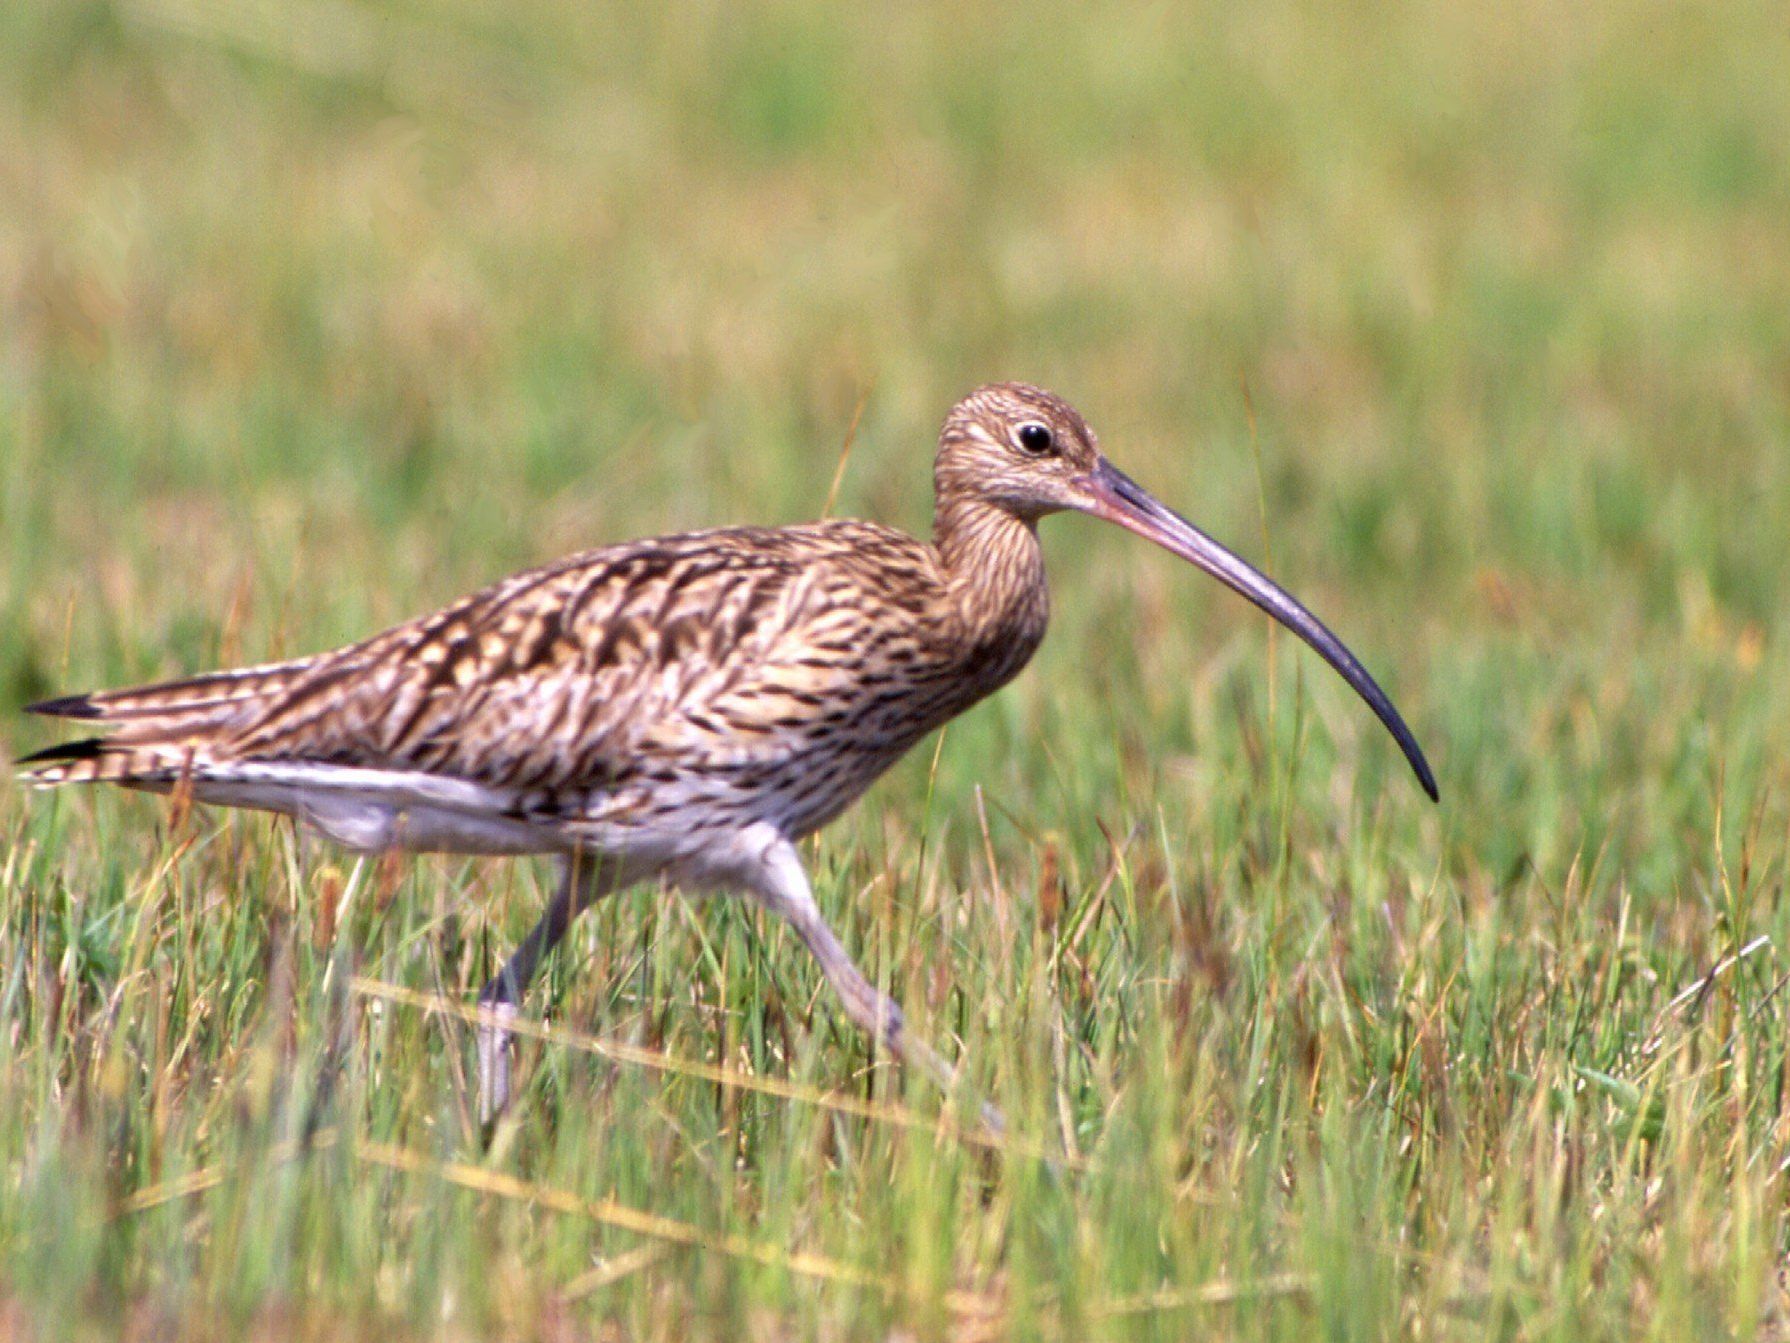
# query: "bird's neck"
{"type": "Point", "coordinates": [994, 568]}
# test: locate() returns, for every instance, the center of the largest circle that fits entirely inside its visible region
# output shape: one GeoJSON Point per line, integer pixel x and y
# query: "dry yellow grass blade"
{"type": "Point", "coordinates": [610, 1213]}
{"type": "Point", "coordinates": [612, 1271]}
{"type": "Point", "coordinates": [665, 1233]}
{"type": "Point", "coordinates": [851, 436]}
{"type": "Point", "coordinates": [617, 1051]}
{"type": "Point", "coordinates": [210, 1177]}
{"type": "Point", "coordinates": [1221, 1292]}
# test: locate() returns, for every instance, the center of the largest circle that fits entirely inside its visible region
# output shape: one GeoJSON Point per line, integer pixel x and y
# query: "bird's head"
{"type": "Point", "coordinates": [1028, 452]}
{"type": "Point", "coordinates": [1018, 447]}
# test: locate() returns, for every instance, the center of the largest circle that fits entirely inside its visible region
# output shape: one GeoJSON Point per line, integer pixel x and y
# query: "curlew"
{"type": "Point", "coordinates": [684, 708]}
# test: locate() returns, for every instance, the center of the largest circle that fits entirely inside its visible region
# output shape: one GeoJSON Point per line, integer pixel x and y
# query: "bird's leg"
{"type": "Point", "coordinates": [579, 887]}
{"type": "Point", "coordinates": [782, 887]}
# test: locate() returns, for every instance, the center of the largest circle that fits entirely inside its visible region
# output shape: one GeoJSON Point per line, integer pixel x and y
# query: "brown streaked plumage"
{"type": "Point", "coordinates": [685, 707]}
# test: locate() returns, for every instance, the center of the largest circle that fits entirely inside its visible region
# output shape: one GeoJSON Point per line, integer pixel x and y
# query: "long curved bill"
{"type": "Point", "coordinates": [1116, 497]}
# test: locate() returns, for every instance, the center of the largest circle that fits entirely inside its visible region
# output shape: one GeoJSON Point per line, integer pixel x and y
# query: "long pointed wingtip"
{"type": "Point", "coordinates": [88, 749]}
{"type": "Point", "coordinates": [66, 706]}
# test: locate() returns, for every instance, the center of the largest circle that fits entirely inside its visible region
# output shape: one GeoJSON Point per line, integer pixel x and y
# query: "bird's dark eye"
{"type": "Point", "coordinates": [1035, 439]}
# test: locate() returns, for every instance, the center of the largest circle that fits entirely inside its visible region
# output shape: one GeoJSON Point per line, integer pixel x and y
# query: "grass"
{"type": "Point", "coordinates": [314, 316]}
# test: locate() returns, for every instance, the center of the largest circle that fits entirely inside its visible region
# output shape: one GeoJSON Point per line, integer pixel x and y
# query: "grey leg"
{"type": "Point", "coordinates": [781, 886]}
{"type": "Point", "coordinates": [579, 887]}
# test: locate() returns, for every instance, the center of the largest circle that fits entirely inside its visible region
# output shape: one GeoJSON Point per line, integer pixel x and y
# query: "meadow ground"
{"type": "Point", "coordinates": [1473, 322]}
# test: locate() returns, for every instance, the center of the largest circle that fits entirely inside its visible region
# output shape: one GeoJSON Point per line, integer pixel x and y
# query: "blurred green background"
{"type": "Point", "coordinates": [1472, 323]}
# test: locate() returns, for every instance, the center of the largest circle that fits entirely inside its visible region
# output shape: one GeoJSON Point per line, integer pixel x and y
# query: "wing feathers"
{"type": "Point", "coordinates": [85, 749]}
{"type": "Point", "coordinates": [158, 726]}
{"type": "Point", "coordinates": [194, 694]}
{"type": "Point", "coordinates": [675, 653]}
{"type": "Point", "coordinates": [68, 706]}
{"type": "Point", "coordinates": [104, 760]}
